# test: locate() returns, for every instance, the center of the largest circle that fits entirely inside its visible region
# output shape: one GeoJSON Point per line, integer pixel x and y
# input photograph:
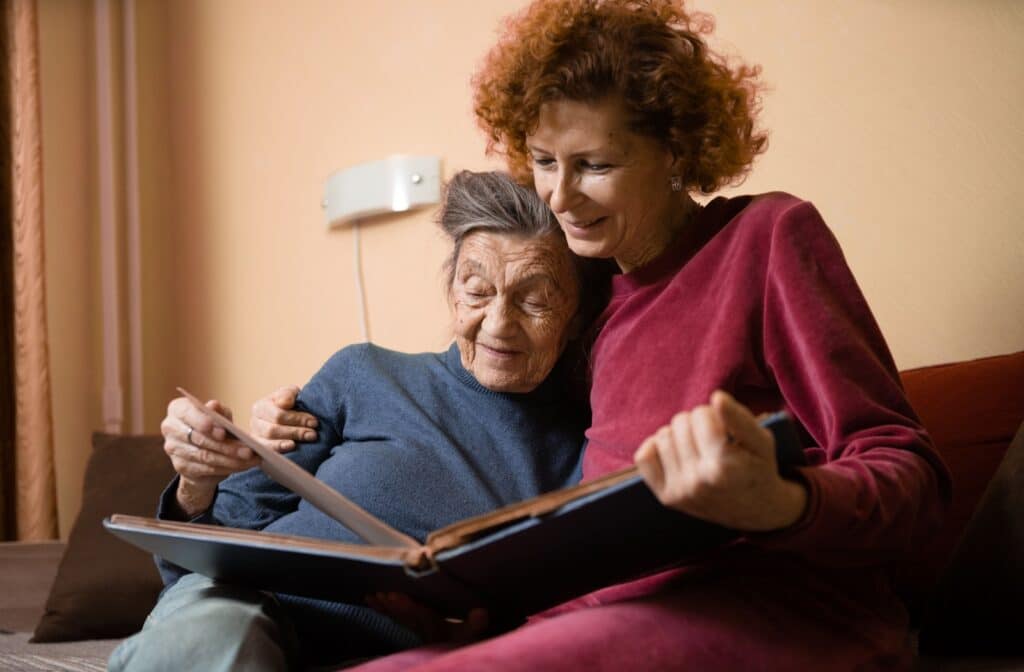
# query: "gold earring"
{"type": "Point", "coordinates": [676, 182]}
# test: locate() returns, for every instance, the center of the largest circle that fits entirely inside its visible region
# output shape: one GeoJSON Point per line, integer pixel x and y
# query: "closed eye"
{"type": "Point", "coordinates": [535, 302]}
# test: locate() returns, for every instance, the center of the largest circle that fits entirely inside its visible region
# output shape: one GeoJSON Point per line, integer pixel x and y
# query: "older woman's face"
{"type": "Point", "coordinates": [608, 186]}
{"type": "Point", "coordinates": [514, 300]}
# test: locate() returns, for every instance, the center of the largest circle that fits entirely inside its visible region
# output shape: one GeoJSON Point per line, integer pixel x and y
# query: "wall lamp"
{"type": "Point", "coordinates": [396, 184]}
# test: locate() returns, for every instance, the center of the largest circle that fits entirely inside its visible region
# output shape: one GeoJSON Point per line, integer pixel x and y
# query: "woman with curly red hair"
{"type": "Point", "coordinates": [617, 112]}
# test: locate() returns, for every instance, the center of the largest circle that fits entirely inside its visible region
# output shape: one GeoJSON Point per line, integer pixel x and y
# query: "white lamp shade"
{"type": "Point", "coordinates": [395, 184]}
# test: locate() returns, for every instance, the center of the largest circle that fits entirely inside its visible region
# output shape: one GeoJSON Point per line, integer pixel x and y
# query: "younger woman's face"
{"type": "Point", "coordinates": [607, 185]}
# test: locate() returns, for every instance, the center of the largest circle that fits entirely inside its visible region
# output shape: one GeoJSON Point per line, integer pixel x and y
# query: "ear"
{"type": "Point", "coordinates": [676, 164]}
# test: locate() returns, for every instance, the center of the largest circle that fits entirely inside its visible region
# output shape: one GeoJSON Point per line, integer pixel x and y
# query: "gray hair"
{"type": "Point", "coordinates": [494, 202]}
{"type": "Point", "coordinates": [491, 202]}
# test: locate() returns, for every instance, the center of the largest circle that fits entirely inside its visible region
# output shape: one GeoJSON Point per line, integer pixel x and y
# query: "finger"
{"type": "Point", "coordinates": [687, 454]}
{"type": "Point", "coordinates": [193, 417]}
{"type": "Point", "coordinates": [179, 411]}
{"type": "Point", "coordinates": [219, 407]}
{"type": "Point", "coordinates": [201, 472]}
{"type": "Point", "coordinates": [218, 432]}
{"type": "Point", "coordinates": [214, 458]}
{"type": "Point", "coordinates": [741, 424]}
{"type": "Point", "coordinates": [710, 436]}
{"type": "Point", "coordinates": [266, 410]}
{"type": "Point", "coordinates": [276, 432]}
{"type": "Point", "coordinates": [648, 463]}
{"type": "Point", "coordinates": [193, 437]}
{"type": "Point", "coordinates": [279, 406]}
{"type": "Point", "coordinates": [285, 397]}
{"type": "Point", "coordinates": [194, 462]}
{"type": "Point", "coordinates": [264, 430]}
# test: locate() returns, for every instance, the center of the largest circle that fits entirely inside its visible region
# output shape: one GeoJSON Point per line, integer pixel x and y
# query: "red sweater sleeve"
{"type": "Point", "coordinates": [877, 486]}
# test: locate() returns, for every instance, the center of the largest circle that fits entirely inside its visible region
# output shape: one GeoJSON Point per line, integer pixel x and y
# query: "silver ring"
{"type": "Point", "coordinates": [189, 436]}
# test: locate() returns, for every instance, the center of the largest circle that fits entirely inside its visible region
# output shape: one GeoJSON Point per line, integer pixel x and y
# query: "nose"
{"type": "Point", "coordinates": [563, 191]}
{"type": "Point", "coordinates": [498, 320]}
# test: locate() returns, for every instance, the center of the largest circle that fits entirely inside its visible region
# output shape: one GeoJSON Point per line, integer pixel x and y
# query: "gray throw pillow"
{"type": "Point", "coordinates": [105, 588]}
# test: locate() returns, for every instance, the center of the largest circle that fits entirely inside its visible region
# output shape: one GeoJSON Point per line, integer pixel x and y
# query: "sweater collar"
{"type": "Point", "coordinates": [544, 392]}
{"type": "Point", "coordinates": [708, 221]}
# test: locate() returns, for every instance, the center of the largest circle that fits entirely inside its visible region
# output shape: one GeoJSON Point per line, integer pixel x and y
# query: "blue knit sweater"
{"type": "Point", "coordinates": [419, 443]}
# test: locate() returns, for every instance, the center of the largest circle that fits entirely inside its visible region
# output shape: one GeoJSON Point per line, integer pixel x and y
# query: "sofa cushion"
{"type": "Point", "coordinates": [105, 588]}
{"type": "Point", "coordinates": [977, 606]}
{"type": "Point", "coordinates": [972, 410]}
{"type": "Point", "coordinates": [27, 569]}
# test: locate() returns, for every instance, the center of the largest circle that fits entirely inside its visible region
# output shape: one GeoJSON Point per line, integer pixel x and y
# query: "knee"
{"type": "Point", "coordinates": [216, 627]}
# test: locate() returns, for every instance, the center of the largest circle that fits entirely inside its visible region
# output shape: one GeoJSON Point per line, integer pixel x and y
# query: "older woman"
{"type": "Point", "coordinates": [420, 441]}
{"type": "Point", "coordinates": [617, 112]}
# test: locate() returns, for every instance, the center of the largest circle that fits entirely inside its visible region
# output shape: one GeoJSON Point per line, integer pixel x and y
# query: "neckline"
{"type": "Point", "coordinates": [670, 259]}
{"type": "Point", "coordinates": [708, 221]}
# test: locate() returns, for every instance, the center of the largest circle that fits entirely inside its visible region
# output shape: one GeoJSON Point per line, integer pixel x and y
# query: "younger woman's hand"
{"type": "Point", "coordinates": [427, 623]}
{"type": "Point", "coordinates": [274, 421]}
{"type": "Point", "coordinates": [717, 463]}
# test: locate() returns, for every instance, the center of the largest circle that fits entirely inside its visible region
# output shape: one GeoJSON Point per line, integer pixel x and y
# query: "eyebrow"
{"type": "Point", "coordinates": [585, 152]}
{"type": "Point", "coordinates": [536, 276]}
{"type": "Point", "coordinates": [473, 266]}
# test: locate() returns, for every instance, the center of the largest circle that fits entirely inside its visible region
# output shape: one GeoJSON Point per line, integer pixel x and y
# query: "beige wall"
{"type": "Point", "coordinates": [894, 118]}
{"type": "Point", "coordinates": [900, 120]}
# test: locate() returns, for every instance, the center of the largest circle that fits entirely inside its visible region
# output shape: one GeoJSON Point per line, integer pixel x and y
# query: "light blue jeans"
{"type": "Point", "coordinates": [200, 624]}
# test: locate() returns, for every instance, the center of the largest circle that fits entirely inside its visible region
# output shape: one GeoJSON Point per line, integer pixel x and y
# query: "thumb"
{"type": "Point", "coordinates": [741, 424]}
{"type": "Point", "coordinates": [217, 433]}
{"type": "Point", "coordinates": [648, 463]}
{"type": "Point", "coordinates": [215, 405]}
{"type": "Point", "coordinates": [284, 397]}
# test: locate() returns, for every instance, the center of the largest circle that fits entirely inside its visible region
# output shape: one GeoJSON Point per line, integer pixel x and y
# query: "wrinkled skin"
{"type": "Point", "coordinates": [513, 300]}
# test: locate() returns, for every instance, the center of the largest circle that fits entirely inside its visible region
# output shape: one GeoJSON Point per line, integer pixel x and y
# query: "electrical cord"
{"type": "Point", "coordinates": [360, 288]}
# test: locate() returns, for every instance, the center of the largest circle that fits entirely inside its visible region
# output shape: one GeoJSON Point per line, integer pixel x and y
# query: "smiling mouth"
{"type": "Point", "coordinates": [584, 224]}
{"type": "Point", "coordinates": [499, 353]}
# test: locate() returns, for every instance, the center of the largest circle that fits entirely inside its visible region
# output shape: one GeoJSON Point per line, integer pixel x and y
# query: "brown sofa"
{"type": "Point", "coordinates": [965, 609]}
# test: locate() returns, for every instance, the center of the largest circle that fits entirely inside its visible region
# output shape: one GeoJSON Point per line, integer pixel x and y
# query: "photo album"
{"type": "Point", "coordinates": [515, 560]}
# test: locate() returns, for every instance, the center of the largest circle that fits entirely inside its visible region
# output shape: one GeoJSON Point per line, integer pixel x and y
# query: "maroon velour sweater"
{"type": "Point", "coordinates": [757, 299]}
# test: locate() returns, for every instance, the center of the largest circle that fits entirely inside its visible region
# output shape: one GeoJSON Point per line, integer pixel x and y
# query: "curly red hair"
{"type": "Point", "coordinates": [649, 53]}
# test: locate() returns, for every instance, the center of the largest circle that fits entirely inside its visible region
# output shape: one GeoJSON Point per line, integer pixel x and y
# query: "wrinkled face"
{"type": "Point", "coordinates": [514, 301]}
{"type": "Point", "coordinates": [608, 186]}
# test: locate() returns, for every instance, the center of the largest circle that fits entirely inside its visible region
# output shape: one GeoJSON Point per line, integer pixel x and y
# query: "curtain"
{"type": "Point", "coordinates": [7, 522]}
{"type": "Point", "coordinates": [30, 501]}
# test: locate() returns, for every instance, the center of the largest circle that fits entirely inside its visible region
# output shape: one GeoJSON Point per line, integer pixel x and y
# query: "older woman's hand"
{"type": "Point", "coordinates": [717, 463]}
{"type": "Point", "coordinates": [427, 623]}
{"type": "Point", "coordinates": [201, 453]}
{"type": "Point", "coordinates": [273, 420]}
